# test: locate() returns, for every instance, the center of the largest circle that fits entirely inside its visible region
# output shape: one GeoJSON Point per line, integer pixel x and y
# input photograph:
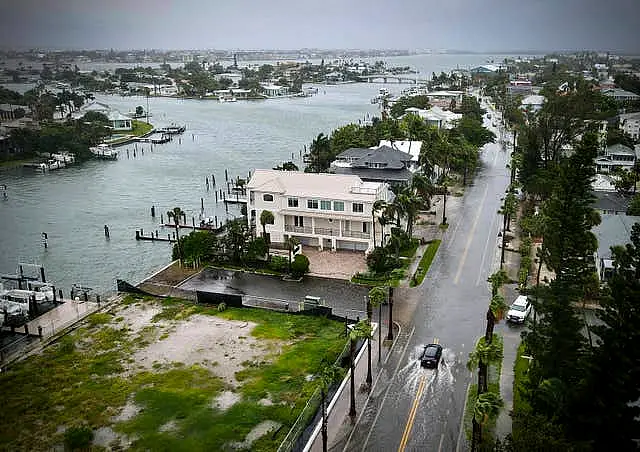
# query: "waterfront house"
{"type": "Point", "coordinates": [410, 147]}
{"type": "Point", "coordinates": [613, 230]}
{"type": "Point", "coordinates": [611, 202]}
{"type": "Point", "coordinates": [271, 90]}
{"type": "Point", "coordinates": [616, 156]}
{"type": "Point", "coordinates": [118, 121]}
{"type": "Point", "coordinates": [381, 164]}
{"type": "Point", "coordinates": [328, 211]}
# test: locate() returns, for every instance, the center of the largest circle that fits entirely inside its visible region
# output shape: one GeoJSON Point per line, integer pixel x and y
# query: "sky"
{"type": "Point", "coordinates": [474, 25]}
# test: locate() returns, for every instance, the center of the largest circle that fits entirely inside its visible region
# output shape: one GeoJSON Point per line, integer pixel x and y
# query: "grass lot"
{"type": "Point", "coordinates": [89, 375]}
{"type": "Point", "coordinates": [425, 263]}
{"type": "Point", "coordinates": [140, 128]}
{"type": "Point", "coordinates": [520, 369]}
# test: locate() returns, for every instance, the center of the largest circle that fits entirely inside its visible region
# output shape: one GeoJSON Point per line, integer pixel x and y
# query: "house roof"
{"type": "Point", "coordinates": [603, 182]}
{"type": "Point", "coordinates": [392, 158]}
{"type": "Point", "coordinates": [618, 149]}
{"type": "Point", "coordinates": [632, 116]}
{"type": "Point", "coordinates": [613, 230]}
{"type": "Point", "coordinates": [534, 99]}
{"type": "Point", "coordinates": [378, 175]}
{"type": "Point", "coordinates": [410, 147]}
{"type": "Point", "coordinates": [115, 115]}
{"type": "Point", "coordinates": [610, 201]}
{"type": "Point", "coordinates": [317, 185]}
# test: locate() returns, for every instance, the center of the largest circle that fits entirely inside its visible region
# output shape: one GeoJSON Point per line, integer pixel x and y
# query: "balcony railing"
{"type": "Point", "coordinates": [297, 229]}
{"type": "Point", "coordinates": [327, 231]}
{"type": "Point", "coordinates": [356, 234]}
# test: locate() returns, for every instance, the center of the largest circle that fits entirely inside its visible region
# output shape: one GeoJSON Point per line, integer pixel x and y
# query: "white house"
{"type": "Point", "coordinates": [621, 95]}
{"type": "Point", "coordinates": [271, 90]}
{"type": "Point", "coordinates": [630, 124]}
{"type": "Point", "coordinates": [533, 102]}
{"type": "Point", "coordinates": [119, 122]}
{"type": "Point", "coordinates": [436, 116]}
{"type": "Point", "coordinates": [616, 156]}
{"type": "Point", "coordinates": [613, 230]}
{"type": "Point", "coordinates": [410, 147]}
{"type": "Point", "coordinates": [328, 211]}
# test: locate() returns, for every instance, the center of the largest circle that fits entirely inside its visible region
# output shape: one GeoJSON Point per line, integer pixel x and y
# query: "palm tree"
{"type": "Point", "coordinates": [327, 376]}
{"type": "Point", "coordinates": [497, 307]}
{"type": "Point", "coordinates": [422, 186]}
{"type": "Point", "coordinates": [266, 217]}
{"type": "Point", "coordinates": [291, 243]}
{"type": "Point", "coordinates": [176, 214]}
{"type": "Point", "coordinates": [484, 354]}
{"type": "Point", "coordinates": [487, 406]}
{"type": "Point", "coordinates": [375, 298]}
{"type": "Point", "coordinates": [378, 206]}
{"type": "Point", "coordinates": [361, 330]}
{"type": "Point", "coordinates": [320, 154]}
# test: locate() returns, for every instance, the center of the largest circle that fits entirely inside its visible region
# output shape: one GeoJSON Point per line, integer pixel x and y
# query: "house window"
{"type": "Point", "coordinates": [292, 202]}
{"type": "Point", "coordinates": [267, 197]}
{"type": "Point", "coordinates": [312, 203]}
{"type": "Point", "coordinates": [325, 205]}
{"type": "Point", "coordinates": [358, 207]}
{"type": "Point", "coordinates": [365, 227]}
{"type": "Point", "coordinates": [298, 221]}
{"type": "Point", "coordinates": [338, 206]}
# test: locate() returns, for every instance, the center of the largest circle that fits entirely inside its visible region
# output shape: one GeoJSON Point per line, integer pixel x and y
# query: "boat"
{"type": "Point", "coordinates": [65, 157]}
{"type": "Point", "coordinates": [172, 130]}
{"type": "Point", "coordinates": [50, 165]}
{"type": "Point", "coordinates": [104, 152]}
{"type": "Point", "coordinates": [227, 98]}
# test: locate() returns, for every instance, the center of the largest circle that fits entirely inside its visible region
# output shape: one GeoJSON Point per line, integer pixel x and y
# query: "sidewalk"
{"type": "Point", "coordinates": [339, 423]}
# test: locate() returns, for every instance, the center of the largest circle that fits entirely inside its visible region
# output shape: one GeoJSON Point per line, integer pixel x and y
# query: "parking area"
{"type": "Point", "coordinates": [334, 264]}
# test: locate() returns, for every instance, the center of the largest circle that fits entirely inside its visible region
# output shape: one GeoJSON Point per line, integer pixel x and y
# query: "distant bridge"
{"type": "Point", "coordinates": [392, 78]}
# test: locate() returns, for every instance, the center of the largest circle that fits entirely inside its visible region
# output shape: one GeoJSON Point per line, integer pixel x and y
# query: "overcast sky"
{"type": "Point", "coordinates": [476, 25]}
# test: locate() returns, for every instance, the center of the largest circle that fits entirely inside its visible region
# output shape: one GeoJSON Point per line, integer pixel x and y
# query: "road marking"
{"type": "Point", "coordinates": [462, 415]}
{"type": "Point", "coordinates": [412, 415]}
{"type": "Point", "coordinates": [441, 441]}
{"type": "Point", "coordinates": [470, 238]}
{"type": "Point", "coordinates": [393, 377]}
{"type": "Point", "coordinates": [486, 245]}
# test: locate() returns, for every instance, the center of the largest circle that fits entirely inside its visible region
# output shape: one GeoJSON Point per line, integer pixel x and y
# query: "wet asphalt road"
{"type": "Point", "coordinates": [448, 308]}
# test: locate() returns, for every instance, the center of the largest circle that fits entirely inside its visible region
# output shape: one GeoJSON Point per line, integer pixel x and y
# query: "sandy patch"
{"type": "Point", "coordinates": [218, 344]}
{"type": "Point", "coordinates": [225, 400]}
{"type": "Point", "coordinates": [128, 412]}
{"type": "Point", "coordinates": [139, 316]}
{"type": "Point", "coordinates": [171, 426]}
{"type": "Point", "coordinates": [107, 438]}
{"type": "Point", "coordinates": [259, 430]}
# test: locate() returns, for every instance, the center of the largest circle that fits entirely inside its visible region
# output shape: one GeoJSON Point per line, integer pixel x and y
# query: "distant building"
{"type": "Point", "coordinates": [630, 124]}
{"type": "Point", "coordinates": [611, 203]}
{"type": "Point", "coordinates": [616, 156]}
{"type": "Point", "coordinates": [613, 230]}
{"type": "Point", "coordinates": [119, 122]}
{"type": "Point", "coordinates": [533, 103]}
{"type": "Point", "coordinates": [621, 95]}
{"type": "Point", "coordinates": [271, 90]}
{"type": "Point", "coordinates": [519, 87]}
{"type": "Point", "coordinates": [436, 116]}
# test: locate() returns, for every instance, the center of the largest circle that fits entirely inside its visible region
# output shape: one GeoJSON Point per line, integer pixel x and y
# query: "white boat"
{"type": "Point", "coordinates": [104, 152]}
{"type": "Point", "coordinates": [50, 165]}
{"type": "Point", "coordinates": [227, 98]}
{"type": "Point", "coordinates": [65, 157]}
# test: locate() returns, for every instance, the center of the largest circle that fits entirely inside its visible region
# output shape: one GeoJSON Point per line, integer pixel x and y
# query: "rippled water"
{"type": "Point", "coordinates": [73, 205]}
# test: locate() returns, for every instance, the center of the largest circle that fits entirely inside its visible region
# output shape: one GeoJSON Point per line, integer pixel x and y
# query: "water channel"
{"type": "Point", "coordinates": [72, 205]}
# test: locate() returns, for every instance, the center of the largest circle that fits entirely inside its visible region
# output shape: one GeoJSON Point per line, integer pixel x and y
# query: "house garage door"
{"type": "Point", "coordinates": [352, 246]}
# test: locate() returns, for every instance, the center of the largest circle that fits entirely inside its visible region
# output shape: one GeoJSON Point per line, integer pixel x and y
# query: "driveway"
{"type": "Point", "coordinates": [334, 264]}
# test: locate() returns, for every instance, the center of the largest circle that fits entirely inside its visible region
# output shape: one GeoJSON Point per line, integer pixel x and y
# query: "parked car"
{"type": "Point", "coordinates": [431, 356]}
{"type": "Point", "coordinates": [519, 310]}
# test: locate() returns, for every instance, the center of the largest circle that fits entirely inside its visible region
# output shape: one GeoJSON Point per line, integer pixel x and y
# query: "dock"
{"type": "Point", "coordinates": [196, 228]}
{"type": "Point", "coordinates": [154, 238]}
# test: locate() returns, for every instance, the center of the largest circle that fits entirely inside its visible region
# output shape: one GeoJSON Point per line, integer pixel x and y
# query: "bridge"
{"type": "Point", "coordinates": [411, 79]}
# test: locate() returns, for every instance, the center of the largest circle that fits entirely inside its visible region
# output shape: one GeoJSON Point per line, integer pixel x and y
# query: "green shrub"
{"type": "Point", "coordinates": [78, 438]}
{"type": "Point", "coordinates": [300, 265]}
{"type": "Point", "coordinates": [278, 264]}
{"type": "Point", "coordinates": [381, 260]}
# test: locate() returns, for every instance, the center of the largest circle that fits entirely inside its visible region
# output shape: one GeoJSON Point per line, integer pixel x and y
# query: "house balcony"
{"type": "Point", "coordinates": [356, 234]}
{"type": "Point", "coordinates": [298, 229]}
{"type": "Point", "coordinates": [327, 231]}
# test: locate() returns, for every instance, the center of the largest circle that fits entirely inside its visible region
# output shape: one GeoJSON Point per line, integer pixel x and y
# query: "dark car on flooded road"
{"type": "Point", "coordinates": [431, 356]}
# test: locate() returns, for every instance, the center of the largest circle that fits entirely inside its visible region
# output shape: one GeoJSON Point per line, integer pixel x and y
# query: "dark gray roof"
{"type": "Point", "coordinates": [353, 153]}
{"type": "Point", "coordinates": [611, 201]}
{"type": "Point", "coordinates": [613, 230]}
{"type": "Point", "coordinates": [391, 158]}
{"type": "Point", "coordinates": [377, 175]}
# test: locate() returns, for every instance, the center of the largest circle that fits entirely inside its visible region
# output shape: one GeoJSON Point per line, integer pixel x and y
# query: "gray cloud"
{"type": "Point", "coordinates": [460, 24]}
